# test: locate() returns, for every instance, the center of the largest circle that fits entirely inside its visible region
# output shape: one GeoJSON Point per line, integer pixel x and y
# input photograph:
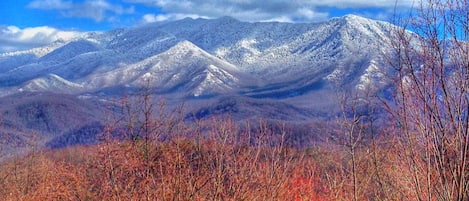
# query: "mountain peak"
{"type": "Point", "coordinates": [356, 19]}
{"type": "Point", "coordinates": [50, 82]}
{"type": "Point", "coordinates": [266, 54]}
{"type": "Point", "coordinates": [373, 29]}
{"type": "Point", "coordinates": [184, 45]}
{"type": "Point", "coordinates": [353, 17]}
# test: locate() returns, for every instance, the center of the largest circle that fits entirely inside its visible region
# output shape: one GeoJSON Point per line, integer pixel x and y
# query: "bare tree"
{"type": "Point", "coordinates": [432, 98]}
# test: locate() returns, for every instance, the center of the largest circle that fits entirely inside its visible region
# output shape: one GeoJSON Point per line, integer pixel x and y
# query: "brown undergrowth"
{"type": "Point", "coordinates": [216, 161]}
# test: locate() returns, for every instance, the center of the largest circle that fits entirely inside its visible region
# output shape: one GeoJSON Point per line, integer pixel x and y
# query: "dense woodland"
{"type": "Point", "coordinates": [216, 159]}
{"type": "Point", "coordinates": [410, 144]}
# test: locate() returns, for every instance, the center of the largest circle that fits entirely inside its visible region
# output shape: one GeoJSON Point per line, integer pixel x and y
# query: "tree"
{"type": "Point", "coordinates": [431, 102]}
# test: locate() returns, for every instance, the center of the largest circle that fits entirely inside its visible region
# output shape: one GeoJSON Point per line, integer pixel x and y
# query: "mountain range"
{"type": "Point", "coordinates": [272, 70]}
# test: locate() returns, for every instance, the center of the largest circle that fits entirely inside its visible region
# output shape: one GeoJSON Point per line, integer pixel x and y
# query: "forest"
{"type": "Point", "coordinates": [409, 144]}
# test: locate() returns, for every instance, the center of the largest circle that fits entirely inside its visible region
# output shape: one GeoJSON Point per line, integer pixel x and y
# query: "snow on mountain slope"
{"type": "Point", "coordinates": [12, 60]}
{"type": "Point", "coordinates": [138, 43]}
{"type": "Point", "coordinates": [69, 50]}
{"type": "Point", "coordinates": [243, 44]}
{"type": "Point", "coordinates": [53, 83]}
{"type": "Point", "coordinates": [201, 57]}
{"type": "Point", "coordinates": [38, 52]}
{"type": "Point", "coordinates": [183, 68]}
{"type": "Point", "coordinates": [266, 49]}
{"type": "Point", "coordinates": [214, 80]}
{"type": "Point", "coordinates": [373, 78]}
{"type": "Point", "coordinates": [280, 71]}
{"type": "Point", "coordinates": [88, 63]}
{"type": "Point", "coordinates": [13, 74]}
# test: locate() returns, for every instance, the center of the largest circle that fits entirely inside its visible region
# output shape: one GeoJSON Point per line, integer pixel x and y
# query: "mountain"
{"type": "Point", "coordinates": [29, 120]}
{"type": "Point", "coordinates": [184, 68]}
{"type": "Point", "coordinates": [274, 55]}
{"type": "Point", "coordinates": [272, 70]}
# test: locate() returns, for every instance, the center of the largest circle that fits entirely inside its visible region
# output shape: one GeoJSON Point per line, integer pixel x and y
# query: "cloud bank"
{"type": "Point", "coordinates": [256, 10]}
{"type": "Point", "coordinates": [147, 11]}
{"type": "Point", "coordinates": [13, 38]}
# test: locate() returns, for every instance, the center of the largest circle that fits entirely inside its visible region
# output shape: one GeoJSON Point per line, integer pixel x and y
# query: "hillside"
{"type": "Point", "coordinates": [271, 56]}
{"type": "Point", "coordinates": [275, 71]}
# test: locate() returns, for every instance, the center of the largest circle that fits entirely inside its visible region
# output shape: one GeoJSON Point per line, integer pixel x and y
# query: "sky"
{"type": "Point", "coordinates": [26, 24]}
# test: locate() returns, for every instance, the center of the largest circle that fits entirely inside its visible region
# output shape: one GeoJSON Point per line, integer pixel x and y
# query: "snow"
{"type": "Point", "coordinates": [372, 78]}
{"type": "Point", "coordinates": [202, 57]}
{"type": "Point", "coordinates": [51, 82]}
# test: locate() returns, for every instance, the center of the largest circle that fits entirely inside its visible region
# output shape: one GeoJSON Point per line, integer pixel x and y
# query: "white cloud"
{"type": "Point", "coordinates": [50, 4]}
{"type": "Point", "coordinates": [150, 18]}
{"type": "Point", "coordinates": [257, 10]}
{"type": "Point", "coordinates": [13, 38]}
{"type": "Point", "coordinates": [94, 9]}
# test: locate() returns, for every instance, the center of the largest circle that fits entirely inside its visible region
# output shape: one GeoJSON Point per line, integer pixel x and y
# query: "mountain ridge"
{"type": "Point", "coordinates": [262, 70]}
{"type": "Point", "coordinates": [262, 49]}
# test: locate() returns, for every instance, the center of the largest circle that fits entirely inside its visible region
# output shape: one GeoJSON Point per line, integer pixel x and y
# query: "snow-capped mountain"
{"type": "Point", "coordinates": [203, 57]}
{"type": "Point", "coordinates": [271, 70]}
{"type": "Point", "coordinates": [184, 68]}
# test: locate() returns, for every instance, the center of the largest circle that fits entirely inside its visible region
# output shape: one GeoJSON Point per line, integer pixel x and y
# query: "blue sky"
{"type": "Point", "coordinates": [30, 23]}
